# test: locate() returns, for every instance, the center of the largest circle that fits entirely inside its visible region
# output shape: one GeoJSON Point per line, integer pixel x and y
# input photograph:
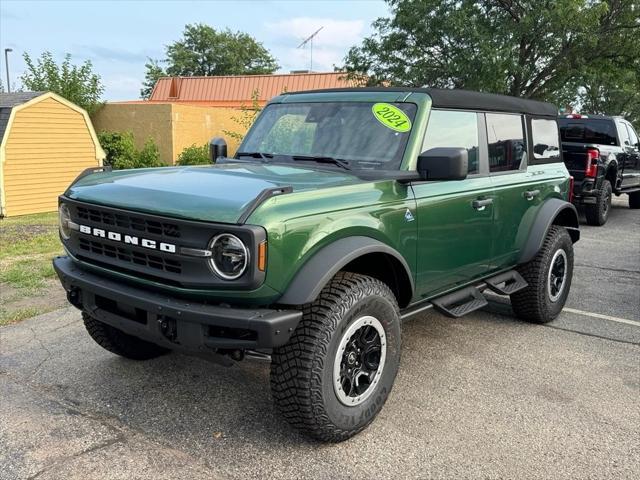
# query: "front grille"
{"type": "Point", "coordinates": [111, 250]}
{"type": "Point", "coordinates": [130, 256]}
{"type": "Point", "coordinates": [129, 222]}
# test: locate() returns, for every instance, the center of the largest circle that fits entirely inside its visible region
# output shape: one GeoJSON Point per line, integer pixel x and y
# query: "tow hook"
{"type": "Point", "coordinates": [168, 328]}
{"type": "Point", "coordinates": [74, 295]}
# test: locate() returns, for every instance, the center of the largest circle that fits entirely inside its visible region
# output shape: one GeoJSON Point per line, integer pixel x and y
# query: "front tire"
{"type": "Point", "coordinates": [335, 373]}
{"type": "Point", "coordinates": [634, 200]}
{"type": "Point", "coordinates": [598, 213]}
{"type": "Point", "coordinates": [549, 277]}
{"type": "Point", "coordinates": [118, 342]}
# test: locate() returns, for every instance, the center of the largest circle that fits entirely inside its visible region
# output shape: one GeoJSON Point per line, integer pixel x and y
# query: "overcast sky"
{"type": "Point", "coordinates": [118, 36]}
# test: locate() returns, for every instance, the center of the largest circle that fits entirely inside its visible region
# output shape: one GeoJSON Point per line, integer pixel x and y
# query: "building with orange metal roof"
{"type": "Point", "coordinates": [236, 91]}
{"type": "Point", "coordinates": [184, 111]}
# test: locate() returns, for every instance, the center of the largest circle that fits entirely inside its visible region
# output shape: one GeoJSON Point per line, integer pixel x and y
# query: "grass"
{"type": "Point", "coordinates": [27, 245]}
{"type": "Point", "coordinates": [7, 317]}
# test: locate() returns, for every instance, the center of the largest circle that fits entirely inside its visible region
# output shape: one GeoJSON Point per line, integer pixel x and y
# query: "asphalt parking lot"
{"type": "Point", "coordinates": [485, 396]}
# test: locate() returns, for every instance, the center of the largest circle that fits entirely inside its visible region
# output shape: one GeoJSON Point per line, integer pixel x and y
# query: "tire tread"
{"type": "Point", "coordinates": [296, 368]}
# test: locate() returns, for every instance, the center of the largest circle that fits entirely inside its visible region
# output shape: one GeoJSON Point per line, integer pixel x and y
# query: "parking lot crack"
{"type": "Point", "coordinates": [597, 267]}
{"type": "Point", "coordinates": [45, 348]}
{"type": "Point", "coordinates": [592, 335]}
{"type": "Point", "coordinates": [61, 461]}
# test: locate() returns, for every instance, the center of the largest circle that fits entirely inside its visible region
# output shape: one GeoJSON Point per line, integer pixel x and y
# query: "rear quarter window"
{"type": "Point", "coordinates": [602, 132]}
{"type": "Point", "coordinates": [546, 141]}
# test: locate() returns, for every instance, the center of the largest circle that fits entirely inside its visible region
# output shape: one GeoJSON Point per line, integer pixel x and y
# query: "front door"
{"type": "Point", "coordinates": [631, 153]}
{"type": "Point", "coordinates": [454, 218]}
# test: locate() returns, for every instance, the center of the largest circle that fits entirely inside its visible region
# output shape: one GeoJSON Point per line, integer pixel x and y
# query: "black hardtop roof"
{"type": "Point", "coordinates": [462, 99]}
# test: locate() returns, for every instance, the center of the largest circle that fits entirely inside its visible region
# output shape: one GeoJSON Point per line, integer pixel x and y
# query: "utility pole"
{"type": "Point", "coordinates": [6, 65]}
{"type": "Point", "coordinates": [309, 40]}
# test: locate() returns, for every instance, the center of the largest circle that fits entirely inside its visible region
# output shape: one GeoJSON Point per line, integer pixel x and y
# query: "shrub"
{"type": "Point", "coordinates": [149, 156]}
{"type": "Point", "coordinates": [121, 151]}
{"type": "Point", "coordinates": [194, 155]}
{"type": "Point", "coordinates": [119, 148]}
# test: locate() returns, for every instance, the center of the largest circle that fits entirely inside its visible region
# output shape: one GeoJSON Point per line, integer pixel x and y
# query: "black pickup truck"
{"type": "Point", "coordinates": [603, 156]}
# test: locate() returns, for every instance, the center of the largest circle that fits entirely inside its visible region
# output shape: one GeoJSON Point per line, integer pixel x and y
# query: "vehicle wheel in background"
{"type": "Point", "coordinates": [634, 200]}
{"type": "Point", "coordinates": [549, 277]}
{"type": "Point", "coordinates": [335, 373]}
{"type": "Point", "coordinates": [598, 213]}
{"type": "Point", "coordinates": [118, 342]}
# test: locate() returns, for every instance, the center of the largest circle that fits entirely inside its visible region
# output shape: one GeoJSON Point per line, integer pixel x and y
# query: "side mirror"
{"type": "Point", "coordinates": [217, 149]}
{"type": "Point", "coordinates": [443, 164]}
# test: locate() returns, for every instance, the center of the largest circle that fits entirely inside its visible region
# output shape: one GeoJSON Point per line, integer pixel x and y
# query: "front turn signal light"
{"type": "Point", "coordinates": [262, 256]}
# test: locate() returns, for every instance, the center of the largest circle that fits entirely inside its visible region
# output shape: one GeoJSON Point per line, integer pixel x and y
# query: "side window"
{"type": "Point", "coordinates": [633, 138]}
{"type": "Point", "coordinates": [625, 141]}
{"type": "Point", "coordinates": [454, 129]}
{"type": "Point", "coordinates": [546, 141]}
{"type": "Point", "coordinates": [507, 146]}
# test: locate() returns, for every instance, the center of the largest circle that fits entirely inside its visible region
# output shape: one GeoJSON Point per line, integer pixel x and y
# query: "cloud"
{"type": "Point", "coordinates": [113, 54]}
{"type": "Point", "coordinates": [121, 87]}
{"type": "Point", "coordinates": [330, 45]}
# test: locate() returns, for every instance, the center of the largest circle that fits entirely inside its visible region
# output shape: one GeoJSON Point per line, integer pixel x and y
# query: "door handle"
{"type": "Point", "coordinates": [481, 204]}
{"type": "Point", "coordinates": [531, 194]}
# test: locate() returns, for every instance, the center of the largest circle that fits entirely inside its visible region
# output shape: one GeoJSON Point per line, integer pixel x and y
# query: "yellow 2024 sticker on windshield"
{"type": "Point", "coordinates": [391, 117]}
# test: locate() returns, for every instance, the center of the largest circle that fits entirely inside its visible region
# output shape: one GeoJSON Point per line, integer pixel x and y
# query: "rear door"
{"type": "Point", "coordinates": [454, 233]}
{"type": "Point", "coordinates": [522, 172]}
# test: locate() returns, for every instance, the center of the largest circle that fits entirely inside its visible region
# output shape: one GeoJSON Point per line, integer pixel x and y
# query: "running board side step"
{"type": "Point", "coordinates": [461, 302]}
{"type": "Point", "coordinates": [506, 283]}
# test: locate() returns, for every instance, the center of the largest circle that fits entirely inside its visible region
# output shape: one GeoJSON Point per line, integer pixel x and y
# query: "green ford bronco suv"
{"type": "Point", "coordinates": [342, 213]}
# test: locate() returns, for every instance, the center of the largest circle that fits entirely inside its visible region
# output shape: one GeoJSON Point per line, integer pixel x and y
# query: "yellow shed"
{"type": "Point", "coordinates": [46, 142]}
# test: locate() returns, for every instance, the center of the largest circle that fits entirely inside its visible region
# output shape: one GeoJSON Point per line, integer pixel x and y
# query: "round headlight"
{"type": "Point", "coordinates": [229, 257]}
{"type": "Point", "coordinates": [64, 217]}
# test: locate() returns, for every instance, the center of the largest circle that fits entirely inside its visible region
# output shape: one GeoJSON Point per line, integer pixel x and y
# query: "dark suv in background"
{"type": "Point", "coordinates": [603, 156]}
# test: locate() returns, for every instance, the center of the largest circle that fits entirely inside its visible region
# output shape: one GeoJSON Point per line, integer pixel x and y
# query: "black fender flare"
{"type": "Point", "coordinates": [324, 264]}
{"type": "Point", "coordinates": [612, 165]}
{"type": "Point", "coordinates": [553, 212]}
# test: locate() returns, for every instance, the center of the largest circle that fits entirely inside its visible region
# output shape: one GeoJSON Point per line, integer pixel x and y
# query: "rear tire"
{"type": "Point", "coordinates": [335, 373]}
{"type": "Point", "coordinates": [598, 213]}
{"type": "Point", "coordinates": [118, 342]}
{"type": "Point", "coordinates": [549, 277]}
{"type": "Point", "coordinates": [634, 200]}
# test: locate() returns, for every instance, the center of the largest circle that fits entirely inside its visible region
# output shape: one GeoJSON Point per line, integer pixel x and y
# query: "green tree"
{"type": "Point", "coordinates": [535, 49]}
{"type": "Point", "coordinates": [154, 72]}
{"type": "Point", "coordinates": [611, 86]}
{"type": "Point", "coordinates": [205, 51]}
{"type": "Point", "coordinates": [194, 155]}
{"type": "Point", "coordinates": [77, 83]}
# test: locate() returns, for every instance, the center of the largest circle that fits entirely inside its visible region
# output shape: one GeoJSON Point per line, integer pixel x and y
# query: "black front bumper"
{"type": "Point", "coordinates": [172, 322]}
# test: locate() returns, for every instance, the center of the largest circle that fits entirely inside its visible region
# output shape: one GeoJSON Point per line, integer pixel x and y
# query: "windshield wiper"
{"type": "Point", "coordinates": [320, 159]}
{"type": "Point", "coordinates": [262, 155]}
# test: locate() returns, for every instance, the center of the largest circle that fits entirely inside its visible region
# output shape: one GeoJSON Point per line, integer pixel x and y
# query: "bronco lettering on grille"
{"type": "Point", "coordinates": [128, 239]}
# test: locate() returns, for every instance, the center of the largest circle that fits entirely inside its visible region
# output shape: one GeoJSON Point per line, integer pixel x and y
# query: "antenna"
{"type": "Point", "coordinates": [309, 40]}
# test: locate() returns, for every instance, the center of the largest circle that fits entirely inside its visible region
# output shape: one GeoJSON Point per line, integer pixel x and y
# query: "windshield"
{"type": "Point", "coordinates": [361, 135]}
{"type": "Point", "coordinates": [602, 132]}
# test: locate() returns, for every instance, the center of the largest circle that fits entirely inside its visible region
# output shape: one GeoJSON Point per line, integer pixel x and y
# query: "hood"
{"type": "Point", "coordinates": [216, 193]}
